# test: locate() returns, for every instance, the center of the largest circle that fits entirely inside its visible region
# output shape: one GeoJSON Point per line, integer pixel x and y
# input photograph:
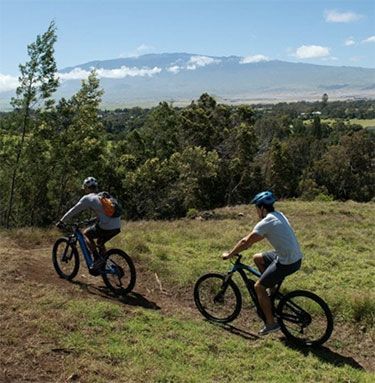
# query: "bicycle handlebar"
{"type": "Point", "coordinates": [78, 224]}
{"type": "Point", "coordinates": [238, 259]}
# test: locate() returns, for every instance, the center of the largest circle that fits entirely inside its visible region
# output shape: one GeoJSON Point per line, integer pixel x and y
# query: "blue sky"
{"type": "Point", "coordinates": [331, 32]}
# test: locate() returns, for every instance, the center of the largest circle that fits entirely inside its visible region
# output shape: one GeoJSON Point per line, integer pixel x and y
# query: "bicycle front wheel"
{"type": "Point", "coordinates": [305, 318]}
{"type": "Point", "coordinates": [119, 272]}
{"type": "Point", "coordinates": [65, 258]}
{"type": "Point", "coordinates": [216, 298]}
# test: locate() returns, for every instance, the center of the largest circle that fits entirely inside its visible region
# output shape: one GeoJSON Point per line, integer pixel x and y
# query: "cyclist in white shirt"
{"type": "Point", "coordinates": [274, 265]}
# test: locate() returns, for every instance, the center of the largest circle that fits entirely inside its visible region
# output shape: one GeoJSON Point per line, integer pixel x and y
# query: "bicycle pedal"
{"type": "Point", "coordinates": [95, 272]}
{"type": "Point", "coordinates": [219, 299]}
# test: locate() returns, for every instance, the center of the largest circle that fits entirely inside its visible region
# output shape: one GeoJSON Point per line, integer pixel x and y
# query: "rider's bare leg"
{"type": "Point", "coordinates": [265, 303]}
{"type": "Point", "coordinates": [259, 261]}
{"type": "Point", "coordinates": [102, 249]}
{"type": "Point", "coordinates": [90, 243]}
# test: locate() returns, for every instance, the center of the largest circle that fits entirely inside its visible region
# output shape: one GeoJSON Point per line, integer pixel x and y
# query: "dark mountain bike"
{"type": "Point", "coordinates": [304, 317]}
{"type": "Point", "coordinates": [118, 271]}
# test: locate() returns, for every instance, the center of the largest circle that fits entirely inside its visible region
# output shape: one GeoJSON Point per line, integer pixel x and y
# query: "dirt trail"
{"type": "Point", "coordinates": [35, 265]}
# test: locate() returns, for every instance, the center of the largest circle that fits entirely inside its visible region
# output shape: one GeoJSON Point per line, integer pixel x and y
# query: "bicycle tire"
{"type": "Point", "coordinates": [297, 325]}
{"type": "Point", "coordinates": [119, 273]}
{"type": "Point", "coordinates": [69, 254]}
{"type": "Point", "coordinates": [213, 296]}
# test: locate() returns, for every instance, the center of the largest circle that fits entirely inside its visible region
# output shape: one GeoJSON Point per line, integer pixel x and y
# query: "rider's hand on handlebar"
{"type": "Point", "coordinates": [227, 255]}
{"type": "Point", "coordinates": [60, 225]}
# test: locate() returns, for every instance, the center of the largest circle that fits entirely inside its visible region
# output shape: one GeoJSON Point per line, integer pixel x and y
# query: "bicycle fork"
{"type": "Point", "coordinates": [219, 297]}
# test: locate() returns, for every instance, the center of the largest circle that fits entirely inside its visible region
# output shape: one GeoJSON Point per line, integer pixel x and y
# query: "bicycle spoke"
{"type": "Point", "coordinates": [306, 318]}
{"type": "Point", "coordinates": [119, 273]}
{"type": "Point", "coordinates": [65, 259]}
{"type": "Point", "coordinates": [217, 300]}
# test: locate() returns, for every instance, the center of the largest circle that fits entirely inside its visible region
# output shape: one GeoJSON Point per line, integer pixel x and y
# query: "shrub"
{"type": "Point", "coordinates": [192, 213]}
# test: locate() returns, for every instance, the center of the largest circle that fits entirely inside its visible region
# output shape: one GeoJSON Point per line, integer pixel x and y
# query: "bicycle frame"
{"type": "Point", "coordinates": [249, 283]}
{"type": "Point", "coordinates": [78, 236]}
{"type": "Point", "coordinates": [241, 268]}
{"type": "Point", "coordinates": [301, 316]}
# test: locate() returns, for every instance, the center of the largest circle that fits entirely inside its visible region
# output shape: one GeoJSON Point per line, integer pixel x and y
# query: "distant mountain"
{"type": "Point", "coordinates": [182, 77]}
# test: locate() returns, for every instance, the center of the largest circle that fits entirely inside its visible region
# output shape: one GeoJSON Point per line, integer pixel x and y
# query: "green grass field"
{"type": "Point", "coordinates": [337, 240]}
{"type": "Point", "coordinates": [369, 123]}
{"type": "Point", "coordinates": [59, 331]}
{"type": "Point", "coordinates": [365, 123]}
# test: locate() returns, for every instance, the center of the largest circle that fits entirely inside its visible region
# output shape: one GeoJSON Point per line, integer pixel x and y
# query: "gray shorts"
{"type": "Point", "coordinates": [275, 272]}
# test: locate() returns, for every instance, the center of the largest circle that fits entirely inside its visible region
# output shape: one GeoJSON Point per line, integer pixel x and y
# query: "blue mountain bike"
{"type": "Point", "coordinates": [118, 271]}
{"type": "Point", "coordinates": [303, 316]}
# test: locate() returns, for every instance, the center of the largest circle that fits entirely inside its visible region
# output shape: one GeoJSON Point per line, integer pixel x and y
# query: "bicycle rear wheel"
{"type": "Point", "coordinates": [65, 258]}
{"type": "Point", "coordinates": [119, 272]}
{"type": "Point", "coordinates": [217, 299]}
{"type": "Point", "coordinates": [305, 318]}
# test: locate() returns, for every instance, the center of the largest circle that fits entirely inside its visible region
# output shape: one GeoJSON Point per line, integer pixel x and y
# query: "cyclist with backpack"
{"type": "Point", "coordinates": [108, 223]}
{"type": "Point", "coordinates": [274, 265]}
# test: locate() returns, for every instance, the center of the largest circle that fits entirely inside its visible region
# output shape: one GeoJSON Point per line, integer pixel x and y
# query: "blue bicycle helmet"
{"type": "Point", "coordinates": [264, 198]}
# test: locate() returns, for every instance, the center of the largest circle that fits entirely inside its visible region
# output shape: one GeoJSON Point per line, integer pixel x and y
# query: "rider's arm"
{"type": "Point", "coordinates": [80, 206]}
{"type": "Point", "coordinates": [244, 244]}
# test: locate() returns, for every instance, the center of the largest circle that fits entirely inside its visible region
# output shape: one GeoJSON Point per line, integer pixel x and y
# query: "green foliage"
{"type": "Point", "coordinates": [37, 83]}
{"type": "Point", "coordinates": [192, 213]}
{"type": "Point", "coordinates": [164, 161]}
{"type": "Point", "coordinates": [323, 197]}
{"type": "Point", "coordinates": [38, 80]}
{"type": "Point", "coordinates": [347, 170]}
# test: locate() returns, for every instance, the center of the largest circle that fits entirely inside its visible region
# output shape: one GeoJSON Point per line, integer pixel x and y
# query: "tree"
{"type": "Point", "coordinates": [240, 178]}
{"type": "Point", "coordinates": [282, 175]}
{"type": "Point", "coordinates": [160, 132]}
{"type": "Point", "coordinates": [317, 128]}
{"type": "Point", "coordinates": [78, 146]}
{"type": "Point", "coordinates": [348, 169]}
{"type": "Point", "coordinates": [197, 169]}
{"type": "Point", "coordinates": [37, 83]}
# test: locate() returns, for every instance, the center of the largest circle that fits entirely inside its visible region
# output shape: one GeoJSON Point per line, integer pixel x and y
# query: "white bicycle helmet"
{"type": "Point", "coordinates": [90, 182]}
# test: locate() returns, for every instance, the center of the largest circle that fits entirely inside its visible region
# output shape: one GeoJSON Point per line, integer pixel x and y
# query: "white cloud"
{"type": "Point", "coordinates": [253, 59]}
{"type": "Point", "coordinates": [192, 64]}
{"type": "Point", "coordinates": [174, 69]}
{"type": "Point", "coordinates": [8, 83]}
{"type": "Point", "coordinates": [349, 41]}
{"type": "Point", "coordinates": [370, 39]}
{"type": "Point", "coordinates": [124, 71]}
{"type": "Point", "coordinates": [330, 58]}
{"type": "Point", "coordinates": [311, 51]}
{"type": "Point", "coordinates": [200, 61]}
{"type": "Point", "coordinates": [142, 49]}
{"type": "Point", "coordinates": [74, 74]}
{"type": "Point", "coordinates": [333, 16]}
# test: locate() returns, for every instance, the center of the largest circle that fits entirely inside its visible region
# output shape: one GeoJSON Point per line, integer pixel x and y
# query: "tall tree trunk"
{"type": "Point", "coordinates": [16, 165]}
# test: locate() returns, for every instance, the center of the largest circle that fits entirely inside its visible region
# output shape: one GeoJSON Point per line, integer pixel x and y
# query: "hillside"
{"type": "Point", "coordinates": [54, 330]}
{"type": "Point", "coordinates": [180, 77]}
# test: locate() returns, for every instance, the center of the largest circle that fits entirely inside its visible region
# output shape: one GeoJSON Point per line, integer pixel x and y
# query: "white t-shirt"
{"type": "Point", "coordinates": [276, 228]}
{"type": "Point", "coordinates": [91, 201]}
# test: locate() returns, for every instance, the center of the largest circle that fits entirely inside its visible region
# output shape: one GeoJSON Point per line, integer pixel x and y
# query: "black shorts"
{"type": "Point", "coordinates": [102, 236]}
{"type": "Point", "coordinates": [275, 272]}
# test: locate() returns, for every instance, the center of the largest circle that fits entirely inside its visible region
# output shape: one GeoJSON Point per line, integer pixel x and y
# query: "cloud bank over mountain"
{"type": "Point", "coordinates": [181, 77]}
